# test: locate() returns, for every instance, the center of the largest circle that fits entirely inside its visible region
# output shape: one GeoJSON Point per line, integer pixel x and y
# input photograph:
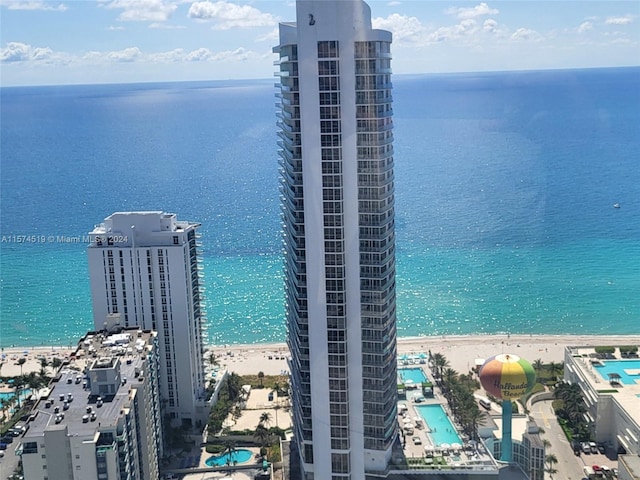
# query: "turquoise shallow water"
{"type": "Point", "coordinates": [505, 185]}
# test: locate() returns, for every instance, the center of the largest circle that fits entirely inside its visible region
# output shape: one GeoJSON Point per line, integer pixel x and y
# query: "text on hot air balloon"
{"type": "Point", "coordinates": [510, 386]}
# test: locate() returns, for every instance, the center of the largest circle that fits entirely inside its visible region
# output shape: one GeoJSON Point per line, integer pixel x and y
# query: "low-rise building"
{"type": "Point", "coordinates": [610, 386]}
{"type": "Point", "coordinates": [528, 448]}
{"type": "Point", "coordinates": [101, 419]}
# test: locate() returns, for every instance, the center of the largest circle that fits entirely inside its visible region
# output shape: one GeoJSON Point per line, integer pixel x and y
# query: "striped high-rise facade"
{"type": "Point", "coordinates": [337, 185]}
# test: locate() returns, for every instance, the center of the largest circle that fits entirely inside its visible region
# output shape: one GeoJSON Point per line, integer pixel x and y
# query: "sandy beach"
{"type": "Point", "coordinates": [461, 351]}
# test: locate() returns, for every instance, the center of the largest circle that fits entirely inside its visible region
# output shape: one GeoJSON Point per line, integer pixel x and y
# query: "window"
{"type": "Point", "coordinates": [328, 49]}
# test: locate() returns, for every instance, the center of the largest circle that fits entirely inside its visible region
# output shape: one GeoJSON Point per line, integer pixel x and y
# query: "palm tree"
{"type": "Point", "coordinates": [262, 435]}
{"type": "Point", "coordinates": [261, 378]}
{"type": "Point", "coordinates": [18, 384]}
{"type": "Point", "coordinates": [229, 449]}
{"type": "Point", "coordinates": [537, 366]}
{"type": "Point", "coordinates": [439, 364]}
{"type": "Point", "coordinates": [213, 361]}
{"type": "Point", "coordinates": [555, 368]}
{"type": "Point", "coordinates": [550, 462]}
{"type": "Point", "coordinates": [4, 403]}
{"type": "Point", "coordinates": [265, 419]}
{"type": "Point", "coordinates": [21, 362]}
{"type": "Point", "coordinates": [56, 363]}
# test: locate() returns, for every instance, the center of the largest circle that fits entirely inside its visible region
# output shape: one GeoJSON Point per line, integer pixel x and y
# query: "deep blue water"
{"type": "Point", "coordinates": [505, 186]}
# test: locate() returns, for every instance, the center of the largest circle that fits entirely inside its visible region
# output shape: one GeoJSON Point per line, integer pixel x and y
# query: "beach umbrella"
{"type": "Point", "coordinates": [445, 446]}
{"type": "Point", "coordinates": [456, 446]}
{"type": "Point", "coordinates": [408, 381]}
{"type": "Point", "coordinates": [428, 448]}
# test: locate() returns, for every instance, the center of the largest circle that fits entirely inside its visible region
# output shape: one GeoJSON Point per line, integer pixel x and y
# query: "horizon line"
{"type": "Point", "coordinates": [270, 79]}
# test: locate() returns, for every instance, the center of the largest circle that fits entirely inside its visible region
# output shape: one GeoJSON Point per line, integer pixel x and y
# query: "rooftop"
{"type": "Point", "coordinates": [587, 360]}
{"type": "Point", "coordinates": [72, 400]}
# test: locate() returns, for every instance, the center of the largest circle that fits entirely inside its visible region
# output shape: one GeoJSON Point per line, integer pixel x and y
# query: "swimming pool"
{"type": "Point", "coordinates": [23, 395]}
{"type": "Point", "coordinates": [415, 375]}
{"type": "Point", "coordinates": [619, 367]}
{"type": "Point", "coordinates": [436, 419]}
{"type": "Point", "coordinates": [241, 455]}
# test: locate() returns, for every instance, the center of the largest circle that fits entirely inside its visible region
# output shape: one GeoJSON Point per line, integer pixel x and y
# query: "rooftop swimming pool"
{"type": "Point", "coordinates": [441, 428]}
{"type": "Point", "coordinates": [414, 375]}
{"type": "Point", "coordinates": [630, 377]}
{"type": "Point", "coordinates": [241, 455]}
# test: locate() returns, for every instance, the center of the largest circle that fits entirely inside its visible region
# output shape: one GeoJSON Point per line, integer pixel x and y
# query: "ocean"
{"type": "Point", "coordinates": [505, 191]}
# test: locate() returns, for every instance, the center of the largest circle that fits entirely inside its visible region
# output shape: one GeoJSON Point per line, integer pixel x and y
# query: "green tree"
{"type": "Point", "coordinates": [265, 419]}
{"type": "Point", "coordinates": [230, 449]}
{"type": "Point", "coordinates": [56, 363]}
{"type": "Point", "coordinates": [550, 462]}
{"type": "Point", "coordinates": [262, 435]}
{"type": "Point", "coordinates": [537, 366]}
{"type": "Point", "coordinates": [21, 362]}
{"type": "Point", "coordinates": [261, 378]}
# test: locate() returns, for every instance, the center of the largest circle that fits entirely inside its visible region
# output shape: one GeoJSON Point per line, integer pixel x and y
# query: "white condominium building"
{"type": "Point", "coordinates": [144, 268]}
{"type": "Point", "coordinates": [336, 158]}
{"type": "Point", "coordinates": [101, 419]}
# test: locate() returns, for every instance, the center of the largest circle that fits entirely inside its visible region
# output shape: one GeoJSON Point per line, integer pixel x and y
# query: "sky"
{"type": "Point", "coordinates": [122, 41]}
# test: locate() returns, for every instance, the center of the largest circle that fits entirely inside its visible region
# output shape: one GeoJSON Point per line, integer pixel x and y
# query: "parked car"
{"type": "Point", "coordinates": [3, 446]}
{"type": "Point", "coordinates": [6, 439]}
{"type": "Point", "coordinates": [601, 448]}
{"type": "Point", "coordinates": [594, 447]}
{"type": "Point", "coordinates": [585, 447]}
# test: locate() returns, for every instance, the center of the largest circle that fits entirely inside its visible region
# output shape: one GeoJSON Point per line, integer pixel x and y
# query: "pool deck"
{"type": "Point", "coordinates": [453, 457]}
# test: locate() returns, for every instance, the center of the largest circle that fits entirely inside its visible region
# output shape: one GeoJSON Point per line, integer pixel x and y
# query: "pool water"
{"type": "Point", "coordinates": [436, 419]}
{"type": "Point", "coordinates": [239, 456]}
{"type": "Point", "coordinates": [619, 367]}
{"type": "Point", "coordinates": [415, 374]}
{"type": "Point", "coordinates": [23, 395]}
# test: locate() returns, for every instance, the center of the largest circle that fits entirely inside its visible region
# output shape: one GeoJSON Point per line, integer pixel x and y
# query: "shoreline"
{"type": "Point", "coordinates": [462, 351]}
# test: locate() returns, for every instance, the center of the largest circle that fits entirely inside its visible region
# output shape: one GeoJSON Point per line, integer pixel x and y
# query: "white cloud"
{"type": "Point", "coordinates": [32, 5]}
{"type": "Point", "coordinates": [472, 12]}
{"type": "Point", "coordinates": [143, 10]}
{"type": "Point", "coordinates": [626, 20]}
{"type": "Point", "coordinates": [199, 55]}
{"type": "Point", "coordinates": [15, 52]}
{"type": "Point", "coordinates": [114, 28]}
{"type": "Point", "coordinates": [526, 34]}
{"type": "Point", "coordinates": [404, 28]}
{"type": "Point", "coordinates": [130, 54]}
{"type": "Point", "coordinates": [585, 27]}
{"type": "Point", "coordinates": [22, 52]}
{"type": "Point", "coordinates": [172, 56]}
{"type": "Point", "coordinates": [463, 29]}
{"type": "Point", "coordinates": [271, 36]}
{"type": "Point", "coordinates": [206, 55]}
{"type": "Point", "coordinates": [394, 3]}
{"type": "Point", "coordinates": [240, 54]}
{"type": "Point", "coordinates": [490, 25]}
{"type": "Point", "coordinates": [226, 15]}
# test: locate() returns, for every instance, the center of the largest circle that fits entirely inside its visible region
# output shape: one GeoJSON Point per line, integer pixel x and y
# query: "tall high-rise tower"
{"type": "Point", "coordinates": [336, 161]}
{"type": "Point", "coordinates": [143, 269]}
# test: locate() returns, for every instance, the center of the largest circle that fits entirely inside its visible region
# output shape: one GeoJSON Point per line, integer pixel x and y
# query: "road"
{"type": "Point", "coordinates": [569, 466]}
{"type": "Point", "coordinates": [9, 462]}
